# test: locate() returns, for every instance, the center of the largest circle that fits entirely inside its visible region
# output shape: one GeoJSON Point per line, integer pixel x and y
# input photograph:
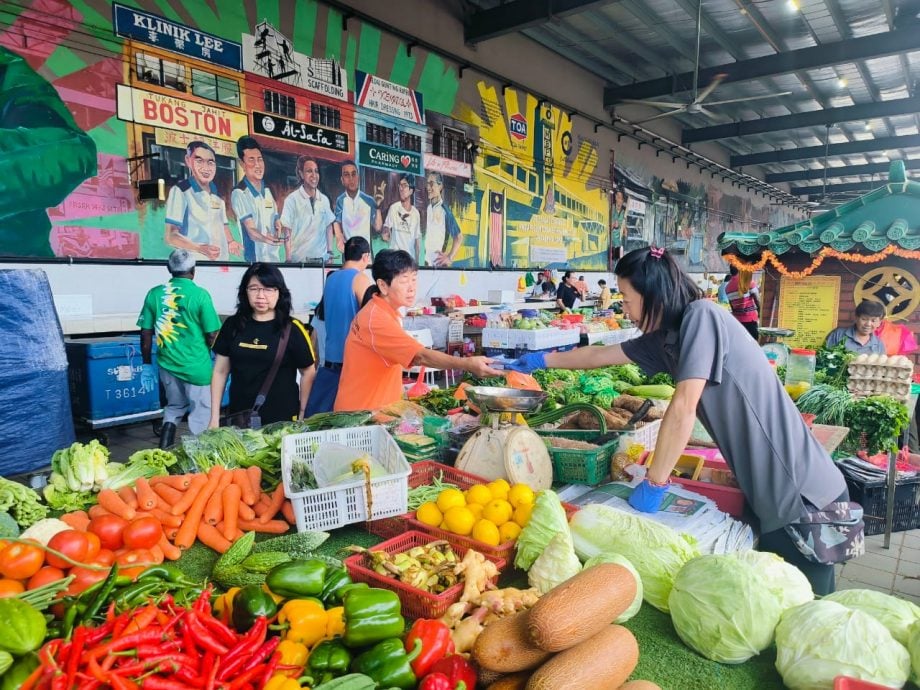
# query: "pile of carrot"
{"type": "Point", "coordinates": [215, 508]}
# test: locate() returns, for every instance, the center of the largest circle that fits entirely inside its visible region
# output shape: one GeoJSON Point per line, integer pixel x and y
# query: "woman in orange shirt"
{"type": "Point", "coordinates": [377, 349]}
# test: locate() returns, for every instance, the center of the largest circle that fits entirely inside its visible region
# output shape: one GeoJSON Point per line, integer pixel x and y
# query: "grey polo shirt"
{"type": "Point", "coordinates": [847, 336]}
{"type": "Point", "coordinates": [775, 458]}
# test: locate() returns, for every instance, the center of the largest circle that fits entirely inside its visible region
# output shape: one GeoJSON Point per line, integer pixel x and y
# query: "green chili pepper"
{"type": "Point", "coordinates": [371, 615]}
{"type": "Point", "coordinates": [329, 659]}
{"type": "Point", "coordinates": [90, 592]}
{"type": "Point", "coordinates": [70, 618]}
{"type": "Point", "coordinates": [389, 664]}
{"type": "Point", "coordinates": [336, 579]}
{"type": "Point", "coordinates": [102, 595]}
{"type": "Point", "coordinates": [131, 596]}
{"type": "Point", "coordinates": [297, 579]}
{"type": "Point", "coordinates": [168, 573]}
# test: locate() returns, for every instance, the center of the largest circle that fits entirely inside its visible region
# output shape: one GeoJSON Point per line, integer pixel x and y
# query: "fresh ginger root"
{"type": "Point", "coordinates": [466, 631]}
{"type": "Point", "coordinates": [509, 600]}
{"type": "Point", "coordinates": [477, 574]}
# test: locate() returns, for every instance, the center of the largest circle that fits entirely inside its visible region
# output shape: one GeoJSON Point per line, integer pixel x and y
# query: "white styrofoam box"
{"type": "Point", "coordinates": [541, 339]}
{"type": "Point", "coordinates": [613, 337]}
{"type": "Point", "coordinates": [503, 296]}
{"type": "Point", "coordinates": [646, 436]}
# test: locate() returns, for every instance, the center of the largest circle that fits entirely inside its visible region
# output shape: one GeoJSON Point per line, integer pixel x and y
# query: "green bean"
{"type": "Point", "coordinates": [428, 492]}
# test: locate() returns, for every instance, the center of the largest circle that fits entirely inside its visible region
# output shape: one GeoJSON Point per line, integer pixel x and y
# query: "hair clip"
{"type": "Point", "coordinates": [656, 252]}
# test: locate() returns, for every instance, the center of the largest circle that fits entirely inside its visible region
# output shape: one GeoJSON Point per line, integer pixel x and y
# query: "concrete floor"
{"type": "Point", "coordinates": [895, 570]}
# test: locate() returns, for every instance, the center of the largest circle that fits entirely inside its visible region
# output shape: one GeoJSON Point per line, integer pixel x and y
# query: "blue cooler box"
{"type": "Point", "coordinates": [105, 378]}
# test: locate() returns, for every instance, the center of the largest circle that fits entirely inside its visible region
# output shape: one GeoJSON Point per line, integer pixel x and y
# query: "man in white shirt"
{"type": "Point", "coordinates": [441, 228]}
{"type": "Point", "coordinates": [402, 225]}
{"type": "Point", "coordinates": [307, 217]}
{"type": "Point", "coordinates": [196, 217]}
{"type": "Point", "coordinates": [255, 207]}
{"type": "Point", "coordinates": [356, 213]}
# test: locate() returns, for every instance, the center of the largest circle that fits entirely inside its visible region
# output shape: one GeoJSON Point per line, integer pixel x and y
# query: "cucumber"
{"type": "Point", "coordinates": [265, 561]}
{"type": "Point", "coordinates": [352, 681]}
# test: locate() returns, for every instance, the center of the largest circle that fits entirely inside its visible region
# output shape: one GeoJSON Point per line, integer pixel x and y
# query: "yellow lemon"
{"type": "Point", "coordinates": [508, 532]}
{"type": "Point", "coordinates": [478, 493]}
{"type": "Point", "coordinates": [475, 509]}
{"type": "Point", "coordinates": [522, 514]}
{"type": "Point", "coordinates": [499, 488]}
{"type": "Point", "coordinates": [487, 533]}
{"type": "Point", "coordinates": [443, 526]}
{"type": "Point", "coordinates": [450, 498]}
{"type": "Point", "coordinates": [520, 493]}
{"type": "Point", "coordinates": [497, 511]}
{"type": "Point", "coordinates": [429, 513]}
{"type": "Point", "coordinates": [459, 520]}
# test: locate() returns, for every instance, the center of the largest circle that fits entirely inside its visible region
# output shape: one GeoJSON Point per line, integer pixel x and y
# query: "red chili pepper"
{"type": "Point", "coordinates": [203, 637]}
{"type": "Point", "coordinates": [212, 678]}
{"type": "Point", "coordinates": [239, 655]}
{"type": "Point", "coordinates": [59, 682]}
{"type": "Point", "coordinates": [262, 654]}
{"type": "Point", "coordinates": [203, 602]}
{"type": "Point", "coordinates": [190, 676]}
{"type": "Point", "coordinates": [96, 635]}
{"type": "Point", "coordinates": [188, 644]}
{"type": "Point", "coordinates": [158, 683]}
{"type": "Point", "coordinates": [90, 684]}
{"type": "Point", "coordinates": [119, 683]}
{"type": "Point", "coordinates": [147, 650]}
{"type": "Point", "coordinates": [436, 644]}
{"type": "Point", "coordinates": [220, 631]}
{"type": "Point", "coordinates": [269, 669]}
{"type": "Point", "coordinates": [459, 673]}
{"type": "Point", "coordinates": [246, 678]}
{"type": "Point", "coordinates": [151, 634]}
{"type": "Point", "coordinates": [79, 637]}
{"type": "Point", "coordinates": [96, 670]}
{"type": "Point", "coordinates": [30, 682]}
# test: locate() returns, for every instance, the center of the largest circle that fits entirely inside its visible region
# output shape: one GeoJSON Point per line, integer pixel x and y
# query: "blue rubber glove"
{"type": "Point", "coordinates": [148, 377]}
{"type": "Point", "coordinates": [528, 363]}
{"type": "Point", "coordinates": [647, 498]}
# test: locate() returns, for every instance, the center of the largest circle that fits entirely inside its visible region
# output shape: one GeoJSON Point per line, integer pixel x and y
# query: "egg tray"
{"type": "Point", "coordinates": [880, 375]}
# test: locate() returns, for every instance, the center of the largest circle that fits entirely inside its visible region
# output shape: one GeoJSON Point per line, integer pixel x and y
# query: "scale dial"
{"type": "Point", "coordinates": [777, 352]}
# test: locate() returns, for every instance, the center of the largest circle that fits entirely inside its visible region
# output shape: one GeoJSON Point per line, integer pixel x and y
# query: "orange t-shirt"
{"type": "Point", "coordinates": [377, 350]}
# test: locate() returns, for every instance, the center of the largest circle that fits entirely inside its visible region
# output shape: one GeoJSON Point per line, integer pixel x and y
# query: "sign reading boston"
{"type": "Point", "coordinates": [384, 157]}
{"type": "Point", "coordinates": [301, 132]}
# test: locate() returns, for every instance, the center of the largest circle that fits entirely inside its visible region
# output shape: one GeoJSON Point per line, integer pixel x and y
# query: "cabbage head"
{"type": "Point", "coordinates": [895, 614]}
{"type": "Point", "coordinates": [787, 582]}
{"type": "Point", "coordinates": [611, 557]}
{"type": "Point", "coordinates": [913, 648]}
{"type": "Point", "coordinates": [547, 519]}
{"type": "Point", "coordinates": [721, 607]}
{"type": "Point", "coordinates": [817, 641]}
{"type": "Point", "coordinates": [655, 550]}
{"type": "Point", "coordinates": [555, 565]}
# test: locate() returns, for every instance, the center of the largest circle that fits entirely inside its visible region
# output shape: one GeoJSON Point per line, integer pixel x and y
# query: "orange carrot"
{"type": "Point", "coordinates": [241, 479]}
{"type": "Point", "coordinates": [272, 526]}
{"type": "Point", "coordinates": [183, 504]}
{"type": "Point", "coordinates": [113, 503]}
{"type": "Point", "coordinates": [186, 535]}
{"type": "Point", "coordinates": [78, 520]}
{"type": "Point", "coordinates": [169, 551]}
{"type": "Point", "coordinates": [255, 478]}
{"type": "Point", "coordinates": [97, 511]}
{"type": "Point", "coordinates": [126, 493]}
{"type": "Point", "coordinates": [287, 509]}
{"type": "Point", "coordinates": [213, 511]}
{"type": "Point", "coordinates": [146, 499]}
{"type": "Point", "coordinates": [170, 495]}
{"type": "Point", "coordinates": [276, 502]}
{"type": "Point", "coordinates": [246, 512]}
{"type": "Point", "coordinates": [166, 519]}
{"type": "Point", "coordinates": [231, 502]}
{"type": "Point", "coordinates": [209, 536]}
{"type": "Point", "coordinates": [171, 533]}
{"type": "Point", "coordinates": [263, 504]}
{"type": "Point", "coordinates": [179, 482]}
{"type": "Point", "coordinates": [157, 554]}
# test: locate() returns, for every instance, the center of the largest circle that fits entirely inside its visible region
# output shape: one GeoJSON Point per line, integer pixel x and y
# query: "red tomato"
{"type": "Point", "coordinates": [108, 528]}
{"type": "Point", "coordinates": [133, 563]}
{"type": "Point", "coordinates": [84, 578]}
{"type": "Point", "coordinates": [143, 533]}
{"type": "Point", "coordinates": [45, 576]}
{"type": "Point", "coordinates": [72, 544]}
{"type": "Point", "coordinates": [21, 561]}
{"type": "Point", "coordinates": [104, 557]}
{"type": "Point", "coordinates": [10, 588]}
{"type": "Point", "coordinates": [95, 544]}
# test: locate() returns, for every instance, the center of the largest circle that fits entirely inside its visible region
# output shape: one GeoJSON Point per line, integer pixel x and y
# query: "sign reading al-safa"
{"type": "Point", "coordinates": [168, 35]}
{"type": "Point", "coordinates": [384, 157]}
{"type": "Point", "coordinates": [300, 132]}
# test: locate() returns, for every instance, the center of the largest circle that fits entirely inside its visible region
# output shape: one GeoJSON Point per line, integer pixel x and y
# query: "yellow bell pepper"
{"type": "Point", "coordinates": [223, 605]}
{"type": "Point", "coordinates": [281, 682]}
{"type": "Point", "coordinates": [277, 597]}
{"type": "Point", "coordinates": [293, 657]}
{"type": "Point", "coordinates": [306, 621]}
{"type": "Point", "coordinates": [335, 622]}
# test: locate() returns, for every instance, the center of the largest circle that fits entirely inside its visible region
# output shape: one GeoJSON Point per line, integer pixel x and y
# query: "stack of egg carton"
{"type": "Point", "coordinates": [880, 375]}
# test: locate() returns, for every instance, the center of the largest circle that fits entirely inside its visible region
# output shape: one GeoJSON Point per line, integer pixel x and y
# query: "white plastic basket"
{"type": "Point", "coordinates": [646, 436]}
{"type": "Point", "coordinates": [346, 503]}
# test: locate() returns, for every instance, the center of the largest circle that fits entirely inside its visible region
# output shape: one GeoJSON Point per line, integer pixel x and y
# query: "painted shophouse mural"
{"type": "Point", "coordinates": [281, 129]}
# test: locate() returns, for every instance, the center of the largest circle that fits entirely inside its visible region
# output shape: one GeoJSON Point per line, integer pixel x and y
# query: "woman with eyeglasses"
{"type": "Point", "coordinates": [246, 346]}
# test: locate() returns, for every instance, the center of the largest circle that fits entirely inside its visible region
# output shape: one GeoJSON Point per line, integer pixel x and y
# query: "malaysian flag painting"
{"type": "Point", "coordinates": [496, 228]}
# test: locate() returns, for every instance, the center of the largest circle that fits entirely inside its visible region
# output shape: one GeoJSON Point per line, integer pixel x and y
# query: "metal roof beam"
{"type": "Point", "coordinates": [518, 15]}
{"type": "Point", "coordinates": [864, 47]}
{"type": "Point", "coordinates": [830, 116]}
{"type": "Point", "coordinates": [839, 171]}
{"type": "Point", "coordinates": [842, 149]}
{"type": "Point", "coordinates": [821, 190]}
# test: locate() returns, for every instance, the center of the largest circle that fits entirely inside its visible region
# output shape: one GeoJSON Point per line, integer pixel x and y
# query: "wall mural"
{"type": "Point", "coordinates": [280, 130]}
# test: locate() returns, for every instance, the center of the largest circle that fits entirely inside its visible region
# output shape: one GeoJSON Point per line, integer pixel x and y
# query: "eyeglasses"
{"type": "Point", "coordinates": [254, 290]}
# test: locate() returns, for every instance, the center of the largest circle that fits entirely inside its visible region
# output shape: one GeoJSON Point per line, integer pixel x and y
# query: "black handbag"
{"type": "Point", "coordinates": [832, 535]}
{"type": "Point", "coordinates": [250, 419]}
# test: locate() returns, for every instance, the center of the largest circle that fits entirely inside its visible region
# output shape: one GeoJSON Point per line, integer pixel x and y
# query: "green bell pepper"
{"type": "Point", "coordinates": [336, 579]}
{"type": "Point", "coordinates": [22, 627]}
{"type": "Point", "coordinates": [248, 604]}
{"type": "Point", "coordinates": [329, 659]}
{"type": "Point", "coordinates": [371, 615]}
{"type": "Point", "coordinates": [297, 579]}
{"type": "Point", "coordinates": [389, 664]}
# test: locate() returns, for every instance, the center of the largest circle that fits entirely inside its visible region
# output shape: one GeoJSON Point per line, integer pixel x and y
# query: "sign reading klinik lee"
{"type": "Point", "coordinates": [384, 157]}
{"type": "Point", "coordinates": [388, 98]}
{"type": "Point", "coordinates": [300, 132]}
{"type": "Point", "coordinates": [149, 28]}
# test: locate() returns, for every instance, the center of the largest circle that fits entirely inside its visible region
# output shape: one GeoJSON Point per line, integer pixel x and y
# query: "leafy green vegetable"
{"type": "Point", "coordinates": [881, 419]}
{"type": "Point", "coordinates": [895, 614]}
{"type": "Point", "coordinates": [22, 502]}
{"type": "Point", "coordinates": [611, 557]}
{"type": "Point", "coordinates": [146, 463]}
{"type": "Point", "coordinates": [439, 400]}
{"type": "Point", "coordinates": [83, 466]}
{"type": "Point", "coordinates": [662, 378]}
{"type": "Point", "coordinates": [721, 608]}
{"type": "Point", "coordinates": [555, 565]}
{"type": "Point", "coordinates": [9, 529]}
{"type": "Point", "coordinates": [787, 582]}
{"type": "Point", "coordinates": [546, 520]}
{"type": "Point", "coordinates": [829, 405]}
{"type": "Point", "coordinates": [832, 363]}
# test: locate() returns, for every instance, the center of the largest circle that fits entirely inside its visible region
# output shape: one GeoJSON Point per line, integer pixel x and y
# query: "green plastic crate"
{"type": "Point", "coordinates": [571, 466]}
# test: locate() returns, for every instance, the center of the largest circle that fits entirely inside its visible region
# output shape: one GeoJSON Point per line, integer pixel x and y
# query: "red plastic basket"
{"type": "Point", "coordinates": [415, 602]}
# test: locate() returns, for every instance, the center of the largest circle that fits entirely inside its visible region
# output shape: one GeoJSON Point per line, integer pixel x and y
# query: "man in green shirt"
{"type": "Point", "coordinates": [185, 322]}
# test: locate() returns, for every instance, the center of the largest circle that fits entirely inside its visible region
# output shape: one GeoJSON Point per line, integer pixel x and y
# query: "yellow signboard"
{"type": "Point", "coordinates": [179, 140]}
{"type": "Point", "coordinates": [160, 110]}
{"type": "Point", "coordinates": [809, 307]}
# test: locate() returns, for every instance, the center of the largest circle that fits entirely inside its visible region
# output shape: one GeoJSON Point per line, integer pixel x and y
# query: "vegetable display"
{"type": "Point", "coordinates": [21, 502]}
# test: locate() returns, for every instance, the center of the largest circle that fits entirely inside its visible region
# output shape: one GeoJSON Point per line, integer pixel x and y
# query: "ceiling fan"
{"type": "Point", "coordinates": [697, 103]}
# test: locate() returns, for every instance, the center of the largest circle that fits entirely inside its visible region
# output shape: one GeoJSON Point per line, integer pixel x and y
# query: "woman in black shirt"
{"type": "Point", "coordinates": [566, 294]}
{"type": "Point", "coordinates": [246, 347]}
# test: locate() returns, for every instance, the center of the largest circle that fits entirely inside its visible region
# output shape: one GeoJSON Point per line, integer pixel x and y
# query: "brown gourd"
{"type": "Point", "coordinates": [581, 606]}
{"type": "Point", "coordinates": [602, 662]}
{"type": "Point", "coordinates": [513, 681]}
{"type": "Point", "coordinates": [640, 685]}
{"type": "Point", "coordinates": [505, 646]}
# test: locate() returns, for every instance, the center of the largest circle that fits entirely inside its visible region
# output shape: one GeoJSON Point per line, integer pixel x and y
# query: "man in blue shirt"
{"type": "Point", "coordinates": [860, 337]}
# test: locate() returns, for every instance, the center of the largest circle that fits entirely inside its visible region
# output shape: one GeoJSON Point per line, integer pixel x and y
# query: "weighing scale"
{"type": "Point", "coordinates": [504, 449]}
{"type": "Point", "coordinates": [771, 345]}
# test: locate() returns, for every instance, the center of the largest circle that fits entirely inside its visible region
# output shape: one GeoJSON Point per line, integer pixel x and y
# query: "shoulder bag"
{"type": "Point", "coordinates": [250, 419]}
{"type": "Point", "coordinates": [832, 535]}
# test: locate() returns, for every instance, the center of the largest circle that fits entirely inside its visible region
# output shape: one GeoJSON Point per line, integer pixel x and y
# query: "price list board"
{"type": "Point", "coordinates": [809, 306]}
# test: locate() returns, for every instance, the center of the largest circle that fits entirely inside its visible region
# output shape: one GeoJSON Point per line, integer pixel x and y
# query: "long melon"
{"type": "Point", "coordinates": [505, 646]}
{"type": "Point", "coordinates": [640, 685]}
{"type": "Point", "coordinates": [581, 606]}
{"type": "Point", "coordinates": [514, 681]}
{"type": "Point", "coordinates": [602, 662]}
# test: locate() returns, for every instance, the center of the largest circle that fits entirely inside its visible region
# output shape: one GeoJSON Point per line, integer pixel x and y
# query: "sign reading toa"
{"type": "Point", "coordinates": [384, 157]}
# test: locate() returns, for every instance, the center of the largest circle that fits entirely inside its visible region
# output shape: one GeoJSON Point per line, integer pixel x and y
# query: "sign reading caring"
{"type": "Point", "coordinates": [153, 30]}
{"type": "Point", "coordinates": [384, 157]}
{"type": "Point", "coordinates": [388, 98]}
{"type": "Point", "coordinates": [159, 110]}
{"type": "Point", "coordinates": [300, 132]}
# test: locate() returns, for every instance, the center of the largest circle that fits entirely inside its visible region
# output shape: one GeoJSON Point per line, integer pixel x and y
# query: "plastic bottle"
{"type": "Point", "coordinates": [800, 372]}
